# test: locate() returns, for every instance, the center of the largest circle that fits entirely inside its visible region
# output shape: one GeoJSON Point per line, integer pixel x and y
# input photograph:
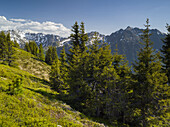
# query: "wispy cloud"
{"type": "Point", "coordinates": [34, 27]}
{"type": "Point", "coordinates": [18, 20]}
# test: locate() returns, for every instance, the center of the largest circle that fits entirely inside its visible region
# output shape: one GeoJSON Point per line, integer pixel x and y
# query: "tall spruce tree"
{"type": "Point", "coordinates": [48, 56]}
{"type": "Point", "coordinates": [76, 60]}
{"type": "Point", "coordinates": [64, 69]}
{"type": "Point", "coordinates": [11, 52]}
{"type": "Point", "coordinates": [75, 39]}
{"type": "Point", "coordinates": [83, 37]}
{"type": "Point", "coordinates": [7, 51]}
{"type": "Point", "coordinates": [3, 46]}
{"type": "Point", "coordinates": [16, 44]}
{"type": "Point", "coordinates": [150, 90]}
{"type": "Point", "coordinates": [100, 75]}
{"type": "Point", "coordinates": [27, 48]}
{"type": "Point", "coordinates": [33, 48]}
{"type": "Point", "coordinates": [119, 92]}
{"type": "Point", "coordinates": [166, 53]}
{"type": "Point", "coordinates": [93, 104]}
{"type": "Point", "coordinates": [75, 36]}
{"type": "Point", "coordinates": [54, 54]}
{"type": "Point", "coordinates": [55, 76]}
{"type": "Point", "coordinates": [41, 53]}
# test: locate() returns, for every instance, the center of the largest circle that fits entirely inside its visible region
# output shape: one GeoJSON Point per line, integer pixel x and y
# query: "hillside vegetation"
{"type": "Point", "coordinates": [32, 64]}
{"type": "Point", "coordinates": [37, 104]}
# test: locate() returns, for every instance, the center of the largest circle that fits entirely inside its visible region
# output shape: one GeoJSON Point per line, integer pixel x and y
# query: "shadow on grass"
{"type": "Point", "coordinates": [43, 81]}
{"type": "Point", "coordinates": [62, 98]}
{"type": "Point", "coordinates": [50, 96]}
{"type": "Point", "coordinates": [38, 60]}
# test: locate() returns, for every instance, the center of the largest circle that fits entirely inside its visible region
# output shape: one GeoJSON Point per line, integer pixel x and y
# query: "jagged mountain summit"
{"type": "Point", "coordinates": [45, 39]}
{"type": "Point", "coordinates": [127, 40]}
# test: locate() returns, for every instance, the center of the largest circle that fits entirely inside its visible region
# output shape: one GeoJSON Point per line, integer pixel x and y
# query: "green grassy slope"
{"type": "Point", "coordinates": [37, 104]}
{"type": "Point", "coordinates": [31, 64]}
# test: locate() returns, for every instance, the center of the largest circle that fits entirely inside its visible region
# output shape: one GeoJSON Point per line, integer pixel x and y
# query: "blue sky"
{"type": "Point", "coordinates": [104, 16]}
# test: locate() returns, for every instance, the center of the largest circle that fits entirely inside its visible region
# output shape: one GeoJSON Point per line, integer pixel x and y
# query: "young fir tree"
{"type": "Point", "coordinates": [75, 39]}
{"type": "Point", "coordinates": [33, 48]}
{"type": "Point", "coordinates": [83, 37]}
{"type": "Point", "coordinates": [166, 54]}
{"type": "Point", "coordinates": [55, 76]}
{"type": "Point", "coordinates": [16, 86]}
{"type": "Point", "coordinates": [100, 74]}
{"type": "Point", "coordinates": [150, 90]}
{"type": "Point", "coordinates": [76, 60]}
{"type": "Point", "coordinates": [27, 48]}
{"type": "Point", "coordinates": [93, 102]}
{"type": "Point", "coordinates": [41, 53]}
{"type": "Point", "coordinates": [64, 69]}
{"type": "Point", "coordinates": [119, 92]}
{"type": "Point", "coordinates": [54, 54]}
{"type": "Point", "coordinates": [75, 36]}
{"type": "Point", "coordinates": [3, 46]}
{"type": "Point", "coordinates": [11, 52]}
{"type": "Point", "coordinates": [48, 56]}
{"type": "Point", "coordinates": [7, 51]}
{"type": "Point", "coordinates": [16, 44]}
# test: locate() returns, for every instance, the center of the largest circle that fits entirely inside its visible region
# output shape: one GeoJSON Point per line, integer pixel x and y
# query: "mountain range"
{"type": "Point", "coordinates": [127, 40]}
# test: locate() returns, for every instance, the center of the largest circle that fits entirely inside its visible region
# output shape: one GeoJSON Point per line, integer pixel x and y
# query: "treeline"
{"type": "Point", "coordinates": [51, 53]}
{"type": "Point", "coordinates": [101, 84]}
{"type": "Point", "coordinates": [35, 50]}
{"type": "Point", "coordinates": [7, 51]}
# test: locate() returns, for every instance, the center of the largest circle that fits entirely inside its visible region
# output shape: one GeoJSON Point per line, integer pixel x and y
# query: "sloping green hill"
{"type": "Point", "coordinates": [37, 104]}
{"type": "Point", "coordinates": [31, 64]}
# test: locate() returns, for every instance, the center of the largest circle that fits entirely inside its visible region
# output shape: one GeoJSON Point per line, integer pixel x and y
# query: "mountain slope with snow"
{"type": "Point", "coordinates": [127, 40]}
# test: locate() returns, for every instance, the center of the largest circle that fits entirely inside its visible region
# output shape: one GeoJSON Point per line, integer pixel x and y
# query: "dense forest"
{"type": "Point", "coordinates": [100, 84]}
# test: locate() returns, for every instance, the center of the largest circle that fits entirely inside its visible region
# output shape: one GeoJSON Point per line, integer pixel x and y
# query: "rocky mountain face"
{"type": "Point", "coordinates": [45, 39]}
{"type": "Point", "coordinates": [127, 40]}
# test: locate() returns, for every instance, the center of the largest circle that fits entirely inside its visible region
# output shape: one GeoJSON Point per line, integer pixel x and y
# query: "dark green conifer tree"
{"type": "Point", "coordinates": [166, 54]}
{"type": "Point", "coordinates": [76, 60]}
{"type": "Point", "coordinates": [16, 44]}
{"type": "Point", "coordinates": [41, 53]}
{"type": "Point", "coordinates": [101, 75]}
{"type": "Point", "coordinates": [27, 48]}
{"type": "Point", "coordinates": [64, 69]}
{"type": "Point", "coordinates": [11, 52]}
{"type": "Point", "coordinates": [3, 46]}
{"type": "Point", "coordinates": [33, 48]}
{"type": "Point", "coordinates": [118, 106]}
{"type": "Point", "coordinates": [150, 90]}
{"type": "Point", "coordinates": [48, 56]}
{"type": "Point", "coordinates": [75, 36]}
{"type": "Point", "coordinates": [54, 54]}
{"type": "Point", "coordinates": [55, 76]}
{"type": "Point", "coordinates": [83, 37]}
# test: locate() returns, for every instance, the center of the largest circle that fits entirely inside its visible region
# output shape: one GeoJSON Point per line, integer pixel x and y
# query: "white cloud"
{"type": "Point", "coordinates": [18, 20]}
{"type": "Point", "coordinates": [34, 27]}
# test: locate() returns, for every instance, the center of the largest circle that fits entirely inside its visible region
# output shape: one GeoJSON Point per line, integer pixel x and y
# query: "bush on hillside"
{"type": "Point", "coordinates": [16, 86]}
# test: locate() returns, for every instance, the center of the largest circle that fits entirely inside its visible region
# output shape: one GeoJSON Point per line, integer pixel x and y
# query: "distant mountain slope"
{"type": "Point", "coordinates": [127, 40]}
{"type": "Point", "coordinates": [45, 39]}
